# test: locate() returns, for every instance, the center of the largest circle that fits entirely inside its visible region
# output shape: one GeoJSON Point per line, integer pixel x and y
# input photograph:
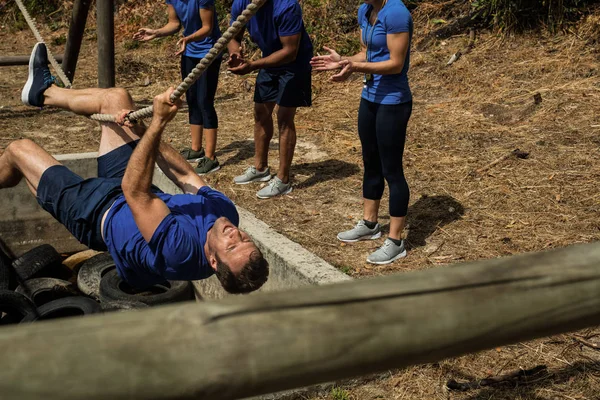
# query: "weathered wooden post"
{"type": "Point", "coordinates": [244, 346]}
{"type": "Point", "coordinates": [106, 43]}
{"type": "Point", "coordinates": [75, 36]}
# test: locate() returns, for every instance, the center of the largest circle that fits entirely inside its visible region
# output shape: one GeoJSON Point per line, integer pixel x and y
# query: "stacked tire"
{"type": "Point", "coordinates": [38, 286]}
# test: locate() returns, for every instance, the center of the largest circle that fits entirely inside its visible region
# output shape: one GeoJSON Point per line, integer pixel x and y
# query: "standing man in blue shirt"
{"type": "Point", "coordinates": [385, 108]}
{"type": "Point", "coordinates": [152, 236]}
{"type": "Point", "coordinates": [200, 33]}
{"type": "Point", "coordinates": [284, 79]}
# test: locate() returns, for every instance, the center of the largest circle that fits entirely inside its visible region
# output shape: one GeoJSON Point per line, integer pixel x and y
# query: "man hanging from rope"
{"type": "Point", "coordinates": [152, 236]}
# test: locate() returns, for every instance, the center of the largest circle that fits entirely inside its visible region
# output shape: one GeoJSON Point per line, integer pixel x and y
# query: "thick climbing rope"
{"type": "Point", "coordinates": [39, 38]}
{"type": "Point", "coordinates": [218, 48]}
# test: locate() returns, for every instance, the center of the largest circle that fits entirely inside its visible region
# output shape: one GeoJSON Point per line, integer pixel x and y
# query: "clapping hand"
{"type": "Point", "coordinates": [144, 34]}
{"type": "Point", "coordinates": [327, 62]}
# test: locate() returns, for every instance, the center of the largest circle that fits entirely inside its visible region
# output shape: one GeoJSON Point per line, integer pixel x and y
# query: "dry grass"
{"type": "Point", "coordinates": [465, 117]}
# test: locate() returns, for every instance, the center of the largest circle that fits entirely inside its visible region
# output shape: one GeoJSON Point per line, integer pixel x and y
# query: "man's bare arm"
{"type": "Point", "coordinates": [178, 170]}
{"type": "Point", "coordinates": [148, 209]}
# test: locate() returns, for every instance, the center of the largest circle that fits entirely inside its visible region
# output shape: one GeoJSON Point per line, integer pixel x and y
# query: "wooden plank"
{"type": "Point", "coordinates": [106, 43]}
{"type": "Point", "coordinates": [7, 61]}
{"type": "Point", "coordinates": [75, 36]}
{"type": "Point", "coordinates": [250, 345]}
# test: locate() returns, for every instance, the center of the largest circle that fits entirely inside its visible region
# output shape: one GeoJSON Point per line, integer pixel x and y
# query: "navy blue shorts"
{"type": "Point", "coordinates": [286, 88]}
{"type": "Point", "coordinates": [78, 203]}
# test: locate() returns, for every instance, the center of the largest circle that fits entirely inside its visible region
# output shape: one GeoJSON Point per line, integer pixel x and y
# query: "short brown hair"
{"type": "Point", "coordinates": [252, 276]}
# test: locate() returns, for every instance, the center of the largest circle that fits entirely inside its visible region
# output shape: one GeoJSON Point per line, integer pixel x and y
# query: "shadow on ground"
{"type": "Point", "coordinates": [323, 171]}
{"type": "Point", "coordinates": [428, 214]}
{"type": "Point", "coordinates": [521, 389]}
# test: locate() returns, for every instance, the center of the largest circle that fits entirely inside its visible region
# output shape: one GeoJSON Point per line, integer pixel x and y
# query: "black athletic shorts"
{"type": "Point", "coordinates": [78, 203]}
{"type": "Point", "coordinates": [287, 88]}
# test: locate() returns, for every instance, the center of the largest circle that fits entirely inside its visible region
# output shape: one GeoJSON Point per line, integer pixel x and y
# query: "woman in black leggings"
{"type": "Point", "coordinates": [385, 108]}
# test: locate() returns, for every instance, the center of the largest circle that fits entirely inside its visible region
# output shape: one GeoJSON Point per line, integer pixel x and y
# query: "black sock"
{"type": "Point", "coordinates": [397, 242]}
{"type": "Point", "coordinates": [370, 224]}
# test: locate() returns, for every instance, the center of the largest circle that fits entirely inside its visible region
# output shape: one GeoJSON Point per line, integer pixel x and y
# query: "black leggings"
{"type": "Point", "coordinates": [382, 131]}
{"type": "Point", "coordinates": [201, 95]}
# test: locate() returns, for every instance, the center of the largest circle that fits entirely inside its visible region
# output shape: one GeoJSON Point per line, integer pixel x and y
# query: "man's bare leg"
{"type": "Point", "coordinates": [24, 159]}
{"type": "Point", "coordinates": [263, 133]}
{"type": "Point", "coordinates": [97, 101]}
{"type": "Point", "coordinates": [287, 141]}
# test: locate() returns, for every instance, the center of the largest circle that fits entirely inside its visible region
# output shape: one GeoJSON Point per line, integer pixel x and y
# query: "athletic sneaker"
{"type": "Point", "coordinates": [206, 166]}
{"type": "Point", "coordinates": [387, 253]}
{"type": "Point", "coordinates": [39, 79]}
{"type": "Point", "coordinates": [252, 175]}
{"type": "Point", "coordinates": [360, 232]}
{"type": "Point", "coordinates": [192, 155]}
{"type": "Point", "coordinates": [276, 187]}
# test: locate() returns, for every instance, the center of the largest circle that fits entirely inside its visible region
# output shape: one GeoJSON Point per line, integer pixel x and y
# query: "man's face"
{"type": "Point", "coordinates": [232, 245]}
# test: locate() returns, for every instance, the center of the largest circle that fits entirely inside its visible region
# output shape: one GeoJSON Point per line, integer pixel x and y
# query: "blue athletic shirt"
{"type": "Point", "coordinates": [176, 250]}
{"type": "Point", "coordinates": [394, 17]}
{"type": "Point", "coordinates": [277, 18]}
{"type": "Point", "coordinates": [188, 12]}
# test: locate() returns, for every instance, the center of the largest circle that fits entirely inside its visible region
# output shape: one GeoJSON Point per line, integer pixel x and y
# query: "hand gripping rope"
{"type": "Point", "coordinates": [53, 61]}
{"type": "Point", "coordinates": [218, 48]}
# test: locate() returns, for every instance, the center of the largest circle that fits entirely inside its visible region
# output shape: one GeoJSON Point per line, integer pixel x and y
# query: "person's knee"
{"type": "Point", "coordinates": [262, 115]}
{"type": "Point", "coordinates": [115, 100]}
{"type": "Point", "coordinates": [285, 119]}
{"type": "Point", "coordinates": [21, 148]}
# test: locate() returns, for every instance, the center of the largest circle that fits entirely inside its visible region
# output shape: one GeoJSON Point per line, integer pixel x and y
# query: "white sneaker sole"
{"type": "Point", "coordinates": [366, 237]}
{"type": "Point", "coordinates": [211, 171]}
{"type": "Point", "coordinates": [27, 88]}
{"type": "Point", "coordinates": [288, 191]}
{"type": "Point", "coordinates": [266, 178]}
{"type": "Point", "coordinates": [399, 256]}
{"type": "Point", "coordinates": [193, 160]}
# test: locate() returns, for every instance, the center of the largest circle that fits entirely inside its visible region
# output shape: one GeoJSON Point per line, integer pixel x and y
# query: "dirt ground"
{"type": "Point", "coordinates": [464, 206]}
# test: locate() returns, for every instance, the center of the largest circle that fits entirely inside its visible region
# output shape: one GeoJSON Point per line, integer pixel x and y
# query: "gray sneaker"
{"type": "Point", "coordinates": [275, 188]}
{"type": "Point", "coordinates": [252, 175]}
{"type": "Point", "coordinates": [206, 166]}
{"type": "Point", "coordinates": [360, 232]}
{"type": "Point", "coordinates": [192, 155]}
{"type": "Point", "coordinates": [387, 253]}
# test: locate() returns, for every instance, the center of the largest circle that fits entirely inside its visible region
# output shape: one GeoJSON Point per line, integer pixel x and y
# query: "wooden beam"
{"type": "Point", "coordinates": [6, 61]}
{"type": "Point", "coordinates": [106, 43]}
{"type": "Point", "coordinates": [75, 36]}
{"type": "Point", "coordinates": [244, 346]}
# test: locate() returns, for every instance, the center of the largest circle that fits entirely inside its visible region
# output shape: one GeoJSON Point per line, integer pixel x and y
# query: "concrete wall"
{"type": "Point", "coordinates": [24, 225]}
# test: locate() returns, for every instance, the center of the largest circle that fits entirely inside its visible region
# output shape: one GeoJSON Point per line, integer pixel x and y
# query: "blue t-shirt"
{"type": "Point", "coordinates": [188, 12]}
{"type": "Point", "coordinates": [394, 17]}
{"type": "Point", "coordinates": [277, 18]}
{"type": "Point", "coordinates": [176, 250]}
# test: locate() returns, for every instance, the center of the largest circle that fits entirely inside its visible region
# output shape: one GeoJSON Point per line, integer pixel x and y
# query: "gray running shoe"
{"type": "Point", "coordinates": [252, 175]}
{"type": "Point", "coordinates": [275, 188]}
{"type": "Point", "coordinates": [360, 232]}
{"type": "Point", "coordinates": [387, 253]}
{"type": "Point", "coordinates": [206, 166]}
{"type": "Point", "coordinates": [192, 155]}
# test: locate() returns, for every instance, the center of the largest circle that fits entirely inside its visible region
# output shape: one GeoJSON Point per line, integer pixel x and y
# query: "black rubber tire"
{"type": "Point", "coordinates": [37, 260]}
{"type": "Point", "coordinates": [45, 290]}
{"type": "Point", "coordinates": [120, 305]}
{"type": "Point", "coordinates": [91, 272]}
{"type": "Point", "coordinates": [66, 307]}
{"type": "Point", "coordinates": [112, 287]}
{"type": "Point", "coordinates": [15, 306]}
{"type": "Point", "coordinates": [5, 271]}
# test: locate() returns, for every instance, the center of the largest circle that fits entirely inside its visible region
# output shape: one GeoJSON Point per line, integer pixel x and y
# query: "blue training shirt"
{"type": "Point", "coordinates": [394, 17]}
{"type": "Point", "coordinates": [188, 12]}
{"type": "Point", "coordinates": [176, 250]}
{"type": "Point", "coordinates": [277, 18]}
